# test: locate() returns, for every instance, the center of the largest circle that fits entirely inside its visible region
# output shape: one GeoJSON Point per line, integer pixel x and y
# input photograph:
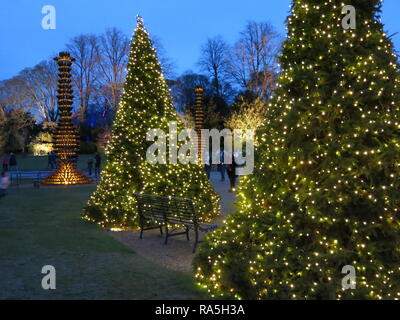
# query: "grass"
{"type": "Point", "coordinates": [43, 227]}
{"type": "Point", "coordinates": [30, 162]}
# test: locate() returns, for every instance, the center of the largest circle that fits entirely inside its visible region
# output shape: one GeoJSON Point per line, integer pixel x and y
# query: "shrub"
{"type": "Point", "coordinates": [42, 144]}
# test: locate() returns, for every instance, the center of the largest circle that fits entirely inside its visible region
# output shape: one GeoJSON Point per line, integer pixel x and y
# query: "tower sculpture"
{"type": "Point", "coordinates": [66, 140]}
{"type": "Point", "coordinates": [199, 121]}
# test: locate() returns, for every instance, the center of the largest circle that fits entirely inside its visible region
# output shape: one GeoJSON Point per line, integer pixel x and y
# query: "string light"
{"type": "Point", "coordinates": [145, 104]}
{"type": "Point", "coordinates": [325, 191]}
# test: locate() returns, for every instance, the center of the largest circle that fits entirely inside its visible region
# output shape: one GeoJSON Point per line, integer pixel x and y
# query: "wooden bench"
{"type": "Point", "coordinates": [156, 212]}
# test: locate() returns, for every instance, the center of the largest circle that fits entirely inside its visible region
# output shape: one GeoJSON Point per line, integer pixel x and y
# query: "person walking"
{"type": "Point", "coordinates": [97, 165]}
{"type": "Point", "coordinates": [207, 164]}
{"type": "Point", "coordinates": [232, 174]}
{"type": "Point", "coordinates": [13, 165]}
{"type": "Point", "coordinates": [90, 166]}
{"type": "Point", "coordinates": [6, 162]}
{"type": "Point", "coordinates": [222, 166]}
{"type": "Point", "coordinates": [4, 183]}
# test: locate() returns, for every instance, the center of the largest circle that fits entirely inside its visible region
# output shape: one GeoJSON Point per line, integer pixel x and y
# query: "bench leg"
{"type": "Point", "coordinates": [187, 234]}
{"type": "Point", "coordinates": [196, 239]}
{"type": "Point", "coordinates": [142, 229]}
{"type": "Point", "coordinates": [166, 234]}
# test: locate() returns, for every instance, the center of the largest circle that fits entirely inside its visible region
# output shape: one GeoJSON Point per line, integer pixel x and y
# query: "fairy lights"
{"type": "Point", "coordinates": [145, 104]}
{"type": "Point", "coordinates": [325, 191]}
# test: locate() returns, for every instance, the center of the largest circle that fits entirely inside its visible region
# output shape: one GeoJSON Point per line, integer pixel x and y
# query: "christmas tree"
{"type": "Point", "coordinates": [145, 104]}
{"type": "Point", "coordinates": [325, 193]}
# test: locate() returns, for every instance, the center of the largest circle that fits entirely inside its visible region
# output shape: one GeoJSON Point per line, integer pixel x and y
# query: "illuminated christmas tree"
{"type": "Point", "coordinates": [146, 104]}
{"type": "Point", "coordinates": [326, 189]}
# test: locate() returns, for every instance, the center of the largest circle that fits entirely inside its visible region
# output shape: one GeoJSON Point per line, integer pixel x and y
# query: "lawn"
{"type": "Point", "coordinates": [43, 227]}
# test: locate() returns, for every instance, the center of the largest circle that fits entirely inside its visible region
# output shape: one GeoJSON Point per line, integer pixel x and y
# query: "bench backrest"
{"type": "Point", "coordinates": [172, 209]}
{"type": "Point", "coordinates": [29, 174]}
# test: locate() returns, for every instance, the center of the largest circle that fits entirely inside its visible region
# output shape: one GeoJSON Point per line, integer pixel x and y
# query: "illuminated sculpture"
{"type": "Point", "coordinates": [199, 120]}
{"type": "Point", "coordinates": [66, 141]}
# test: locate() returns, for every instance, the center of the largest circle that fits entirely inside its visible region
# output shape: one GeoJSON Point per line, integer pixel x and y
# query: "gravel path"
{"type": "Point", "coordinates": [177, 255]}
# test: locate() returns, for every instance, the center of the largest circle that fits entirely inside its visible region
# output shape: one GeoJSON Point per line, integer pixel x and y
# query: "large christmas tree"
{"type": "Point", "coordinates": [326, 190]}
{"type": "Point", "coordinates": [146, 104]}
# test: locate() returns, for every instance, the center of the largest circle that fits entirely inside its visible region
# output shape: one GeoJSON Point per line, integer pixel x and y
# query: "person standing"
{"type": "Point", "coordinates": [51, 160]}
{"type": "Point", "coordinates": [90, 166]}
{"type": "Point", "coordinates": [6, 162]}
{"type": "Point", "coordinates": [97, 164]}
{"type": "Point", "coordinates": [4, 183]}
{"type": "Point", "coordinates": [13, 162]}
{"type": "Point", "coordinates": [48, 160]}
{"type": "Point", "coordinates": [222, 166]}
{"type": "Point", "coordinates": [232, 174]}
{"type": "Point", "coordinates": [207, 164]}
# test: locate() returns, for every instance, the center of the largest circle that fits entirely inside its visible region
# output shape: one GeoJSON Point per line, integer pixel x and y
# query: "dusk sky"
{"type": "Point", "coordinates": [182, 26]}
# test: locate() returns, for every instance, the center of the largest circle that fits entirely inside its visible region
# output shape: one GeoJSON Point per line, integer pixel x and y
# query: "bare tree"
{"type": "Point", "coordinates": [85, 50]}
{"type": "Point", "coordinates": [113, 58]}
{"type": "Point", "coordinates": [34, 90]}
{"type": "Point", "coordinates": [13, 93]}
{"type": "Point", "coordinates": [167, 64]}
{"type": "Point", "coordinates": [214, 61]}
{"type": "Point", "coordinates": [40, 88]}
{"type": "Point", "coordinates": [254, 58]}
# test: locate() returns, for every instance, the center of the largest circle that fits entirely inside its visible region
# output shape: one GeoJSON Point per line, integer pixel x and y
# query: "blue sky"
{"type": "Point", "coordinates": [182, 25]}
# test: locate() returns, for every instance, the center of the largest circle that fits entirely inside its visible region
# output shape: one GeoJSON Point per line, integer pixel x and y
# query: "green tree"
{"type": "Point", "coordinates": [145, 104]}
{"type": "Point", "coordinates": [15, 129]}
{"type": "Point", "coordinates": [326, 191]}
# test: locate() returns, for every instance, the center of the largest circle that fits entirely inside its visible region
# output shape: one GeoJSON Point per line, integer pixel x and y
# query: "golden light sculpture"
{"type": "Point", "coordinates": [199, 120]}
{"type": "Point", "coordinates": [66, 140]}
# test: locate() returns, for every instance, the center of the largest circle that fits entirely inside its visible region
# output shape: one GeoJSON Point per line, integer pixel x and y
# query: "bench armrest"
{"type": "Point", "coordinates": [207, 227]}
